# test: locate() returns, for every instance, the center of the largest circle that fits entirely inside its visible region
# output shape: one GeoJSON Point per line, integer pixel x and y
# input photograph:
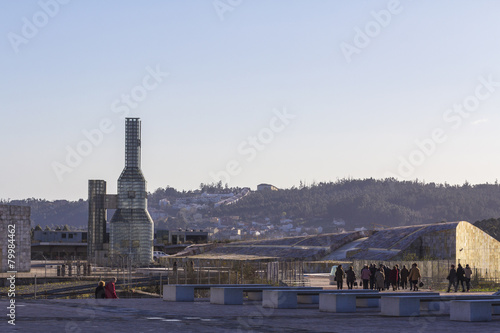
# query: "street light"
{"type": "Point", "coordinates": [45, 265]}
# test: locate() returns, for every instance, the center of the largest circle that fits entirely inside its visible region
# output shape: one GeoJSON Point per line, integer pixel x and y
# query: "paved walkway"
{"type": "Point", "coordinates": [156, 315]}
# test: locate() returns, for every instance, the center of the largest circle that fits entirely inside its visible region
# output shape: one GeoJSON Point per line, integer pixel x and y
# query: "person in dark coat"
{"type": "Point", "coordinates": [387, 274]}
{"type": "Point", "coordinates": [394, 277]}
{"type": "Point", "coordinates": [99, 291]}
{"type": "Point", "coordinates": [350, 277]}
{"type": "Point", "coordinates": [373, 270]}
{"type": "Point", "coordinates": [110, 289]}
{"type": "Point", "coordinates": [452, 278]}
{"type": "Point", "coordinates": [404, 277]}
{"type": "Point", "coordinates": [460, 277]}
{"type": "Point", "coordinates": [339, 276]}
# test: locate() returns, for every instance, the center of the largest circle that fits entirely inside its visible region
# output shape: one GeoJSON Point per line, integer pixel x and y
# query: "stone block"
{"type": "Point", "coordinates": [178, 293]}
{"type": "Point", "coordinates": [255, 295]}
{"type": "Point", "coordinates": [279, 299]}
{"type": "Point", "coordinates": [367, 302]}
{"type": "Point", "coordinates": [308, 299]}
{"type": "Point", "coordinates": [337, 302]}
{"type": "Point", "coordinates": [400, 306]}
{"type": "Point", "coordinates": [471, 310]}
{"type": "Point", "coordinates": [226, 295]}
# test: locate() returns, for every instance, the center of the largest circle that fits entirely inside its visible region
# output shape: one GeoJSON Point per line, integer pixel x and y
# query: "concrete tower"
{"type": "Point", "coordinates": [97, 218]}
{"type": "Point", "coordinates": [131, 227]}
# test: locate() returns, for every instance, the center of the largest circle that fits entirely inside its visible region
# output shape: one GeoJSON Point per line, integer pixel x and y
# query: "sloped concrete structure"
{"type": "Point", "coordinates": [430, 241]}
{"type": "Point", "coordinates": [453, 242]}
{"type": "Point", "coordinates": [459, 242]}
{"type": "Point", "coordinates": [301, 247]}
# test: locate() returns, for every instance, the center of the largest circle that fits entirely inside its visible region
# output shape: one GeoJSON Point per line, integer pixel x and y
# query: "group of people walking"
{"type": "Point", "coordinates": [380, 278]}
{"type": "Point", "coordinates": [106, 290]}
{"type": "Point", "coordinates": [383, 277]}
{"type": "Point", "coordinates": [459, 276]}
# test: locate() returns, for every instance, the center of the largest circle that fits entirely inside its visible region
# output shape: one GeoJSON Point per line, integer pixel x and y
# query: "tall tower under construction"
{"type": "Point", "coordinates": [131, 227]}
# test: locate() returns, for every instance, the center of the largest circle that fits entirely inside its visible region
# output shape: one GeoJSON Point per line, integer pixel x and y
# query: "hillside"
{"type": "Point", "coordinates": [56, 213]}
{"type": "Point", "coordinates": [358, 202]}
{"type": "Point", "coordinates": [368, 201]}
{"type": "Point", "coordinates": [490, 226]}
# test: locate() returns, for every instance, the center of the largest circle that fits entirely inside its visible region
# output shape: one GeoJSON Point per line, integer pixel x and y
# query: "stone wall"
{"type": "Point", "coordinates": [20, 217]}
{"type": "Point", "coordinates": [432, 246]}
{"type": "Point", "coordinates": [478, 249]}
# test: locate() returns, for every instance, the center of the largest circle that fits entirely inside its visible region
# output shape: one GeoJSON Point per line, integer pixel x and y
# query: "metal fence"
{"type": "Point", "coordinates": [434, 272]}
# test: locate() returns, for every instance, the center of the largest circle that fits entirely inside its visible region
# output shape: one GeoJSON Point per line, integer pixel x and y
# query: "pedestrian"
{"type": "Point", "coordinates": [110, 289]}
{"type": "Point", "coordinates": [404, 277]}
{"type": "Point", "coordinates": [394, 277]}
{"type": "Point", "coordinates": [373, 270]}
{"type": "Point", "coordinates": [399, 278]}
{"type": "Point", "coordinates": [387, 273]}
{"type": "Point", "coordinates": [350, 277]}
{"type": "Point", "coordinates": [174, 268]}
{"type": "Point", "coordinates": [339, 277]}
{"type": "Point", "coordinates": [452, 278]}
{"type": "Point", "coordinates": [460, 277]}
{"type": "Point", "coordinates": [365, 276]}
{"type": "Point", "coordinates": [409, 281]}
{"type": "Point", "coordinates": [468, 274]}
{"type": "Point", "coordinates": [380, 279]}
{"type": "Point", "coordinates": [99, 291]}
{"type": "Point", "coordinates": [414, 276]}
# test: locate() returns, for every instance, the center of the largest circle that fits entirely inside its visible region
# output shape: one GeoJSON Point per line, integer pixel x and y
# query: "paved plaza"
{"type": "Point", "coordinates": [156, 315]}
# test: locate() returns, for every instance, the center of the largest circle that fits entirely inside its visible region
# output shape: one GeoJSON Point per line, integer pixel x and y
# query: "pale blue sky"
{"type": "Point", "coordinates": [354, 118]}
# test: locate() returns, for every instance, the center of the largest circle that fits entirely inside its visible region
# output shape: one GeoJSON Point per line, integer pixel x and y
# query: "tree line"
{"type": "Point", "coordinates": [357, 202]}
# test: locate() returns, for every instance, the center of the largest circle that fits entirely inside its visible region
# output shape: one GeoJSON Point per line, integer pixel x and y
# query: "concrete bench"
{"type": "Point", "coordinates": [405, 306]}
{"type": "Point", "coordinates": [343, 302]}
{"type": "Point", "coordinates": [185, 292]}
{"type": "Point", "coordinates": [288, 299]}
{"type": "Point", "coordinates": [474, 310]}
{"type": "Point", "coordinates": [234, 295]}
{"type": "Point", "coordinates": [373, 301]}
{"type": "Point", "coordinates": [442, 303]}
{"type": "Point", "coordinates": [315, 298]}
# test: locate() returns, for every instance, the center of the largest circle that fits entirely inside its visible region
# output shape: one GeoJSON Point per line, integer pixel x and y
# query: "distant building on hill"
{"type": "Point", "coordinates": [266, 187]}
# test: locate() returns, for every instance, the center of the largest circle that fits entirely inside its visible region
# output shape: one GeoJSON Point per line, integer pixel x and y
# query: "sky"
{"type": "Point", "coordinates": [247, 92]}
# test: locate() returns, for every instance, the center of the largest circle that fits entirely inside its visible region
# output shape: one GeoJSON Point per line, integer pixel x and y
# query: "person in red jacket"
{"type": "Point", "coordinates": [110, 289]}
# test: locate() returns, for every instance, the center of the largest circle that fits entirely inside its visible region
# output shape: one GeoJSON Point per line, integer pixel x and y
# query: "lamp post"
{"type": "Point", "coordinates": [45, 265]}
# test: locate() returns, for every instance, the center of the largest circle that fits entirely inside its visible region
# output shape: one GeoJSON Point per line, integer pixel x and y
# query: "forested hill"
{"type": "Point", "coordinates": [56, 213]}
{"type": "Point", "coordinates": [385, 202]}
{"type": "Point", "coordinates": [491, 226]}
{"type": "Point", "coordinates": [358, 202]}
